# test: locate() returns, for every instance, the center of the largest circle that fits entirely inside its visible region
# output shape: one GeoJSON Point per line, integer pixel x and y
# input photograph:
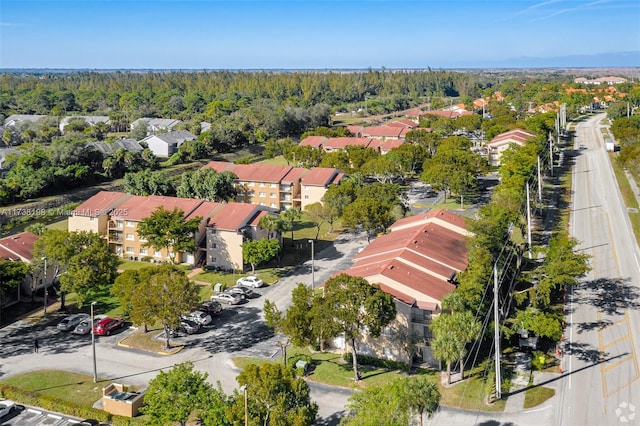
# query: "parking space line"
{"type": "Point", "coordinates": [615, 342]}
{"type": "Point", "coordinates": [617, 363]}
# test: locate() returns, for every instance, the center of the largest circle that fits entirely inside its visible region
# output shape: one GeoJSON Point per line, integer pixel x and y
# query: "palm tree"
{"type": "Point", "coordinates": [270, 223]}
{"type": "Point", "coordinates": [421, 396]}
{"type": "Point", "coordinates": [289, 216]}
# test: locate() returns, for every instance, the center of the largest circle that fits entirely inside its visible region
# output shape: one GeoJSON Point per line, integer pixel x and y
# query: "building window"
{"type": "Point", "coordinates": [273, 205]}
{"type": "Point", "coordinates": [141, 239]}
{"type": "Point", "coordinates": [273, 195]}
{"type": "Point", "coordinates": [263, 204]}
{"type": "Point", "coordinates": [251, 184]}
{"type": "Point", "coordinates": [214, 245]}
{"type": "Point", "coordinates": [143, 251]}
{"type": "Point", "coordinates": [262, 194]}
{"type": "Point", "coordinates": [92, 219]}
{"type": "Point", "coordinates": [119, 223]}
{"type": "Point", "coordinates": [262, 185]}
{"type": "Point", "coordinates": [130, 224]}
{"type": "Point", "coordinates": [130, 237]}
{"type": "Point", "coordinates": [272, 185]}
{"type": "Point", "coordinates": [306, 197]}
{"type": "Point", "coordinates": [305, 187]}
{"type": "Point", "coordinates": [130, 250]}
{"type": "Point", "coordinates": [157, 253]}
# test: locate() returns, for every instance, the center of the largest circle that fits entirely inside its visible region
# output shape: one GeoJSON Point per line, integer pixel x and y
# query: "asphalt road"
{"type": "Point", "coordinates": [239, 330]}
{"type": "Point", "coordinates": [600, 385]}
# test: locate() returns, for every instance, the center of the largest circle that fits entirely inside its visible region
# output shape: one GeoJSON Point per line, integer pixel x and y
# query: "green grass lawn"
{"type": "Point", "coordinates": [627, 194]}
{"type": "Point", "coordinates": [275, 161]}
{"type": "Point", "coordinates": [537, 395]}
{"type": "Point", "coordinates": [65, 385]}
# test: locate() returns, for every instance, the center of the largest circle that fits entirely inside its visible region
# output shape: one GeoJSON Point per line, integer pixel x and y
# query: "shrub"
{"type": "Point", "coordinates": [376, 362]}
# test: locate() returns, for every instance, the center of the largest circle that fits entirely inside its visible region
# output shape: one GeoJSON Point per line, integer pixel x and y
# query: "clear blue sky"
{"type": "Point", "coordinates": [298, 34]}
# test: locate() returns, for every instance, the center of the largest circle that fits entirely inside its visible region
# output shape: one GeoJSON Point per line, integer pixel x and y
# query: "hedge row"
{"type": "Point", "coordinates": [58, 405]}
{"type": "Point", "coordinates": [376, 362]}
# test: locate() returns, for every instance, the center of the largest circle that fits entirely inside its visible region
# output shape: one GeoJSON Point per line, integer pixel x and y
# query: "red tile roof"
{"type": "Point", "coordinates": [204, 210]}
{"type": "Point", "coordinates": [382, 131]}
{"type": "Point", "coordinates": [422, 218]}
{"type": "Point", "coordinates": [355, 129]}
{"type": "Point", "coordinates": [138, 207]}
{"type": "Point", "coordinates": [420, 255]}
{"type": "Point", "coordinates": [517, 136]}
{"type": "Point", "coordinates": [389, 144]}
{"type": "Point", "coordinates": [255, 221]}
{"type": "Point", "coordinates": [342, 142]}
{"type": "Point", "coordinates": [416, 112]}
{"type": "Point", "coordinates": [18, 247]}
{"type": "Point", "coordinates": [219, 166]}
{"type": "Point", "coordinates": [261, 172]}
{"type": "Point", "coordinates": [100, 204]}
{"type": "Point", "coordinates": [232, 216]}
{"type": "Point", "coordinates": [319, 176]}
{"type": "Point", "coordinates": [313, 141]}
{"type": "Point", "coordinates": [294, 175]}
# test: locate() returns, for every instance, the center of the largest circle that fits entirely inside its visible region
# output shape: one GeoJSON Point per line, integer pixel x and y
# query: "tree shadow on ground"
{"type": "Point", "coordinates": [584, 352]}
{"type": "Point", "coordinates": [610, 295]}
{"type": "Point", "coordinates": [594, 325]}
{"type": "Point", "coordinates": [234, 330]}
{"type": "Point", "coordinates": [332, 420]}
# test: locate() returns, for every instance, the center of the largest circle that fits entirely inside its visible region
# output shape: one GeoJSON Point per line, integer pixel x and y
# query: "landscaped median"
{"type": "Point", "coordinates": [63, 392]}
{"type": "Point", "coordinates": [151, 341]}
{"type": "Point", "coordinates": [332, 369]}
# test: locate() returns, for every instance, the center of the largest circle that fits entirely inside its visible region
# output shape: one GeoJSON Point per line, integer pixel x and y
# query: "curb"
{"type": "Point", "coordinates": [124, 345]}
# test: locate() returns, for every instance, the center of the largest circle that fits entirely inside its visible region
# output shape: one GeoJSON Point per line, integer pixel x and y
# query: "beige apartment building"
{"type": "Point", "coordinates": [279, 187]}
{"type": "Point", "coordinates": [417, 263]}
{"type": "Point", "coordinates": [116, 215]}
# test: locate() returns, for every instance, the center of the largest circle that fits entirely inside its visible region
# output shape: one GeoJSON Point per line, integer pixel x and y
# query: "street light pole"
{"type": "Point", "coordinates": [243, 388]}
{"type": "Point", "coordinates": [93, 345]}
{"type": "Point", "coordinates": [44, 282]}
{"type": "Point", "coordinates": [313, 267]}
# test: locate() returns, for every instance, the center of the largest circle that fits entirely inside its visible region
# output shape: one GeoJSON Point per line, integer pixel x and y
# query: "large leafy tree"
{"type": "Point", "coordinates": [207, 184]}
{"type": "Point", "coordinates": [372, 215]}
{"type": "Point", "coordinates": [172, 396]}
{"type": "Point", "coordinates": [393, 403]}
{"type": "Point", "coordinates": [169, 230]}
{"type": "Point", "coordinates": [454, 168]}
{"type": "Point", "coordinates": [135, 299]}
{"type": "Point", "coordinates": [355, 305]}
{"type": "Point", "coordinates": [255, 252]}
{"type": "Point", "coordinates": [275, 396]}
{"type": "Point", "coordinates": [172, 294]}
{"type": "Point", "coordinates": [12, 274]}
{"type": "Point", "coordinates": [81, 261]}
{"type": "Point", "coordinates": [297, 323]}
{"type": "Point", "coordinates": [147, 182]}
{"type": "Point", "coordinates": [562, 266]}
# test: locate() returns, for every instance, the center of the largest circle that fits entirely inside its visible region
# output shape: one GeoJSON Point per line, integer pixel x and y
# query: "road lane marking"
{"type": "Point", "coordinates": [617, 363]}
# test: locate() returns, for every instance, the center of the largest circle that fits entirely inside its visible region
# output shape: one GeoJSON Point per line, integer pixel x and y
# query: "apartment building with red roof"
{"type": "Point", "coordinates": [279, 187]}
{"type": "Point", "coordinates": [503, 141]}
{"type": "Point", "coordinates": [19, 248]}
{"type": "Point", "coordinates": [221, 232]}
{"type": "Point", "coordinates": [417, 262]}
{"type": "Point", "coordinates": [315, 183]}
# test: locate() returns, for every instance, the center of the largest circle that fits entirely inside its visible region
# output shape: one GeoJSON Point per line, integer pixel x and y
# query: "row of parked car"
{"type": "Point", "coordinates": [190, 323]}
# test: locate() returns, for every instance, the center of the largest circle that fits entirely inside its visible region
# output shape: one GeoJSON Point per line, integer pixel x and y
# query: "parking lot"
{"type": "Point", "coordinates": [35, 417]}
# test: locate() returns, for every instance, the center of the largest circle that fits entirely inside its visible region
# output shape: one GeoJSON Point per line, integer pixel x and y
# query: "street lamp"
{"type": "Point", "coordinates": [44, 281]}
{"type": "Point", "coordinates": [243, 388]}
{"type": "Point", "coordinates": [93, 344]}
{"type": "Point", "coordinates": [313, 267]}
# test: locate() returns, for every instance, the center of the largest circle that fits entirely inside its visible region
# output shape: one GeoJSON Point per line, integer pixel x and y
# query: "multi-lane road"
{"type": "Point", "coordinates": [601, 383]}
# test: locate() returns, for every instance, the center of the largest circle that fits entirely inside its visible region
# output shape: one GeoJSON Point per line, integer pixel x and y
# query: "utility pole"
{"type": "Point", "coordinates": [539, 185]}
{"type": "Point", "coordinates": [529, 221]}
{"type": "Point", "coordinates": [46, 291]}
{"type": "Point", "coordinates": [496, 330]}
{"type": "Point", "coordinates": [551, 154]}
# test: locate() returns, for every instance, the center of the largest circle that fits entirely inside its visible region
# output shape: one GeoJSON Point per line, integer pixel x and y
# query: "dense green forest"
{"type": "Point", "coordinates": [270, 110]}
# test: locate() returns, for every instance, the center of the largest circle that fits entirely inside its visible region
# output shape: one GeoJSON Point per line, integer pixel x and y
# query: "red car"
{"type": "Point", "coordinates": [107, 325]}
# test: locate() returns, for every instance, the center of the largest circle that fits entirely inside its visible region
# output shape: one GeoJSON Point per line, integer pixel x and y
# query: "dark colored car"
{"type": "Point", "coordinates": [107, 325]}
{"type": "Point", "coordinates": [212, 308]}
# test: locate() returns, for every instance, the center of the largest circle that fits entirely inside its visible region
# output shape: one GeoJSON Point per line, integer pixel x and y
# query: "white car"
{"type": "Point", "coordinates": [229, 298]}
{"type": "Point", "coordinates": [250, 281]}
{"type": "Point", "coordinates": [200, 317]}
{"type": "Point", "coordinates": [70, 322]}
{"type": "Point", "coordinates": [7, 407]}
